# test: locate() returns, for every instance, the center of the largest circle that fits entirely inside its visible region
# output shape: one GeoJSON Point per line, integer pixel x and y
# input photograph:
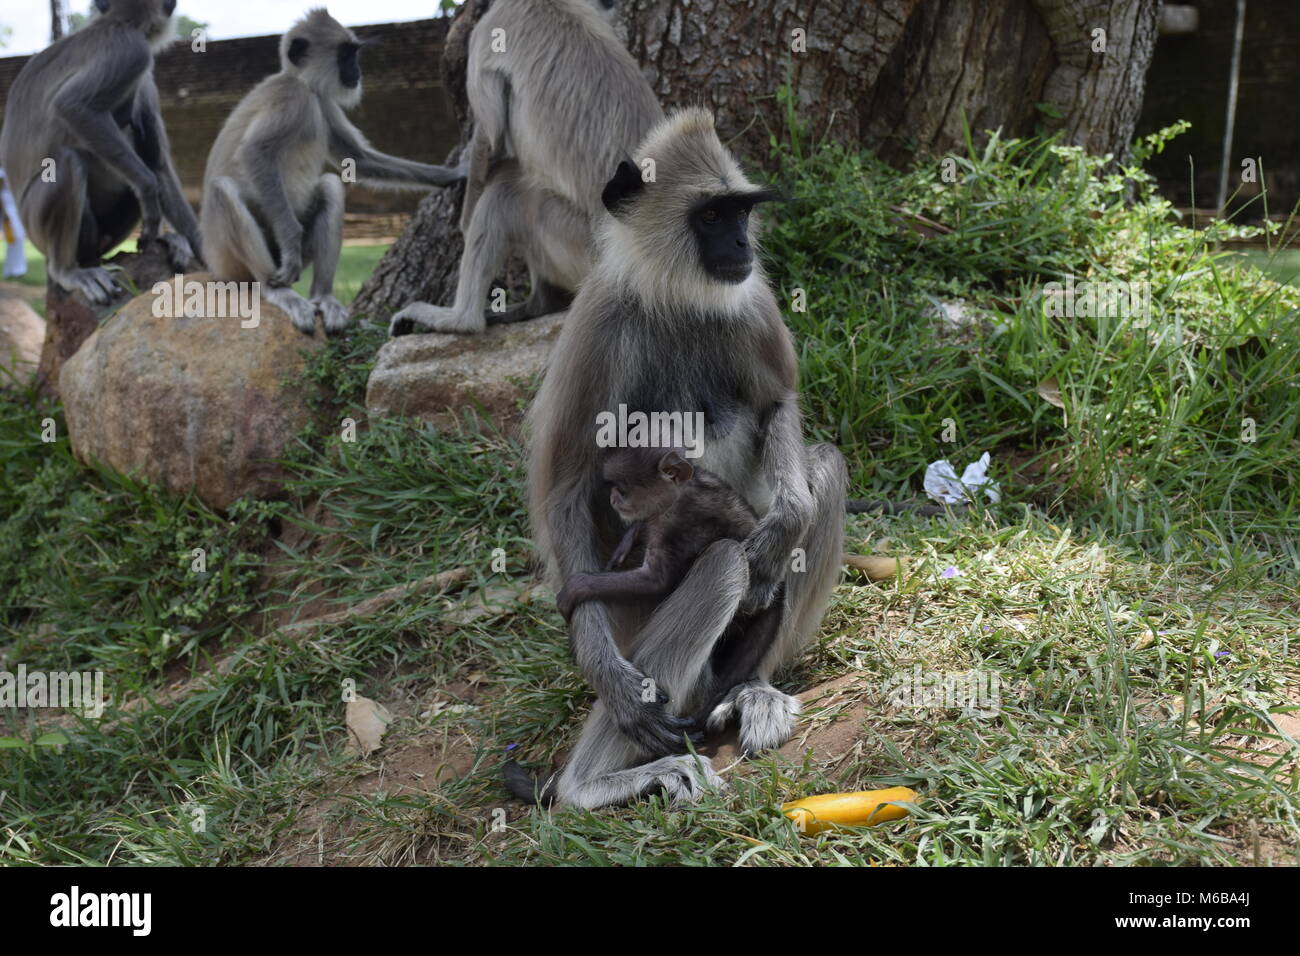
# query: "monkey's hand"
{"type": "Point", "coordinates": [290, 268]}
{"type": "Point", "coordinates": [766, 553]}
{"type": "Point", "coordinates": [651, 727]}
{"type": "Point", "coordinates": [179, 251]}
{"type": "Point", "coordinates": [576, 590]}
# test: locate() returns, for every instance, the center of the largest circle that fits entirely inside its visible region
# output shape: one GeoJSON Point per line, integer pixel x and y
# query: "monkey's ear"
{"type": "Point", "coordinates": [623, 188]}
{"type": "Point", "coordinates": [298, 51]}
{"type": "Point", "coordinates": [676, 468]}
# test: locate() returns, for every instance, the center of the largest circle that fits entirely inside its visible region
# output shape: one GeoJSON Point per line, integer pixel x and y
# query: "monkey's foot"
{"type": "Point", "coordinates": [300, 312]}
{"type": "Point", "coordinates": [179, 251]}
{"type": "Point", "coordinates": [333, 313]}
{"type": "Point", "coordinates": [422, 317]}
{"type": "Point", "coordinates": [766, 715]}
{"type": "Point", "coordinates": [96, 285]}
{"type": "Point", "coordinates": [686, 778]}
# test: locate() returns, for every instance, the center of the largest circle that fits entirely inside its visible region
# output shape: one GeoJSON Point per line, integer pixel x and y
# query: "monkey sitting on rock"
{"type": "Point", "coordinates": [270, 208]}
{"type": "Point", "coordinates": [84, 146]}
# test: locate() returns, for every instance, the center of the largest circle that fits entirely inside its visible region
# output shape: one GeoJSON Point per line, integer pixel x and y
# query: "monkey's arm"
{"type": "Point", "coordinates": [651, 580]}
{"type": "Point", "coordinates": [85, 105]}
{"type": "Point", "coordinates": [347, 143]}
{"type": "Point", "coordinates": [625, 546]}
{"type": "Point", "coordinates": [562, 466]}
{"type": "Point", "coordinates": [769, 545]}
{"type": "Point", "coordinates": [155, 150]}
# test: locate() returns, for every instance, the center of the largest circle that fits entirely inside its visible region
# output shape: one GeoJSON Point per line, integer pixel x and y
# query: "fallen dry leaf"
{"type": "Point", "coordinates": [1050, 392]}
{"type": "Point", "coordinates": [367, 720]}
{"type": "Point", "coordinates": [874, 567]}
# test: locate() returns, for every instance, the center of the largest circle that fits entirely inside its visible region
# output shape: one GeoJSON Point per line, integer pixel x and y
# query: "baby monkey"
{"type": "Point", "coordinates": [675, 511]}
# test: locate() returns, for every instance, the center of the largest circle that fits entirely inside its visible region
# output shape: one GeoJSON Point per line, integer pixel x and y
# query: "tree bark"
{"type": "Point", "coordinates": [902, 77]}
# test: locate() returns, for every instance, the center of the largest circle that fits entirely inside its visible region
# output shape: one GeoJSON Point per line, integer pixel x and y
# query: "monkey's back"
{"type": "Point", "coordinates": [284, 101]}
{"type": "Point", "coordinates": [561, 59]}
{"type": "Point", "coordinates": [36, 89]}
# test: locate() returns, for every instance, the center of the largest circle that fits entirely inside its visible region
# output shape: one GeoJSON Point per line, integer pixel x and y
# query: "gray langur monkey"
{"type": "Point", "coordinates": [270, 208]}
{"type": "Point", "coordinates": [85, 149]}
{"type": "Point", "coordinates": [557, 103]}
{"type": "Point", "coordinates": [677, 316]}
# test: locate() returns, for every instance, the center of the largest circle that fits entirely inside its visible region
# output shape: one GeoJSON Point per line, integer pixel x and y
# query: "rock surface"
{"type": "Point", "coordinates": [71, 320]}
{"type": "Point", "coordinates": [22, 333]}
{"type": "Point", "coordinates": [189, 403]}
{"type": "Point", "coordinates": [437, 377]}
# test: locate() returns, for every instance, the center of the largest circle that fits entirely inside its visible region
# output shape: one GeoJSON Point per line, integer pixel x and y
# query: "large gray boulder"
{"type": "Point", "coordinates": [437, 377]}
{"type": "Point", "coordinates": [186, 402]}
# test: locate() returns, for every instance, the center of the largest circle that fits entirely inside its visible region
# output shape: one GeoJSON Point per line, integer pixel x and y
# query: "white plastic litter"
{"type": "Point", "coordinates": [942, 483]}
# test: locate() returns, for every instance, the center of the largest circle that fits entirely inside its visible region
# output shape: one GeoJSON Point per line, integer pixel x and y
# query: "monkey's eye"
{"type": "Point", "coordinates": [709, 216]}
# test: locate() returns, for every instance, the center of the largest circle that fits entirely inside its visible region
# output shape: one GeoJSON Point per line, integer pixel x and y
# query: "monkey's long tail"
{"type": "Point", "coordinates": [448, 175]}
{"type": "Point", "coordinates": [521, 783]}
{"type": "Point", "coordinates": [855, 506]}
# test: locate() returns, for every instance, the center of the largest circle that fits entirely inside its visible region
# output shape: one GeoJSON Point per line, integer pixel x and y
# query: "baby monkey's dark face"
{"type": "Point", "coordinates": [644, 482]}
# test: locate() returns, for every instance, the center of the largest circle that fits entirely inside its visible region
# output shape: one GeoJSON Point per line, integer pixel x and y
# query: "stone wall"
{"type": "Point", "coordinates": [405, 110]}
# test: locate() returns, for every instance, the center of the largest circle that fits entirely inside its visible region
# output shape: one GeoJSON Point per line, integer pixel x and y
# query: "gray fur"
{"type": "Point", "coordinates": [88, 102]}
{"type": "Point", "coordinates": [554, 114]}
{"type": "Point", "coordinates": [672, 342]}
{"type": "Point", "coordinates": [272, 203]}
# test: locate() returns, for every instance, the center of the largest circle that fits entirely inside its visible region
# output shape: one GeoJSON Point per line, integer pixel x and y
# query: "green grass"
{"type": "Point", "coordinates": [1280, 266]}
{"type": "Point", "coordinates": [1134, 595]}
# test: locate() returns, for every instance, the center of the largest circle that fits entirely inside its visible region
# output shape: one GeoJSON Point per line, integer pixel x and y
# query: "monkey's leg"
{"type": "Point", "coordinates": [673, 649]}
{"type": "Point", "coordinates": [496, 220]}
{"type": "Point", "coordinates": [557, 249]}
{"type": "Point", "coordinates": [766, 714]}
{"type": "Point", "coordinates": [322, 245]}
{"type": "Point", "coordinates": [737, 656]}
{"type": "Point", "coordinates": [235, 248]}
{"type": "Point", "coordinates": [58, 218]}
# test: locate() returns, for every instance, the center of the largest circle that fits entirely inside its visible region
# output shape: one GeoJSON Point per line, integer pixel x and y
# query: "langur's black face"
{"type": "Point", "coordinates": [721, 227]}
{"type": "Point", "coordinates": [349, 64]}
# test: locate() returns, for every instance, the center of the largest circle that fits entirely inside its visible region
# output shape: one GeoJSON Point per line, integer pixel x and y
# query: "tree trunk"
{"type": "Point", "coordinates": [56, 20]}
{"type": "Point", "coordinates": [901, 77]}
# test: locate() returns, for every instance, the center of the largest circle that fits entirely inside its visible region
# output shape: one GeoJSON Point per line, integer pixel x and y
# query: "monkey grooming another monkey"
{"type": "Point", "coordinates": [557, 103]}
{"type": "Point", "coordinates": [84, 146]}
{"type": "Point", "coordinates": [677, 316]}
{"type": "Point", "coordinates": [269, 207]}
